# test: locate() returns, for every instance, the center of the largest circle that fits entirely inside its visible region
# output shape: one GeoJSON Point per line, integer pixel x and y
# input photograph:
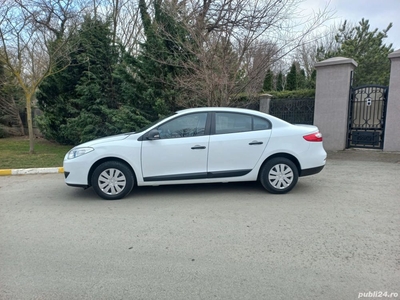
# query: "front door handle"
{"type": "Point", "coordinates": [255, 143]}
{"type": "Point", "coordinates": [197, 147]}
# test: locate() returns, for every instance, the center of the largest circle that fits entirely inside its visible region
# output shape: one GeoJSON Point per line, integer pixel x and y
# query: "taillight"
{"type": "Point", "coordinates": [313, 137]}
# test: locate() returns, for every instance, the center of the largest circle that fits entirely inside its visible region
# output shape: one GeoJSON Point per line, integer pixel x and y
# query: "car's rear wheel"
{"type": "Point", "coordinates": [112, 180]}
{"type": "Point", "coordinates": [279, 175]}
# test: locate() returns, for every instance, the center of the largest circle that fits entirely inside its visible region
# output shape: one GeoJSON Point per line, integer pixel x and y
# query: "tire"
{"type": "Point", "coordinates": [112, 180]}
{"type": "Point", "coordinates": [279, 175]}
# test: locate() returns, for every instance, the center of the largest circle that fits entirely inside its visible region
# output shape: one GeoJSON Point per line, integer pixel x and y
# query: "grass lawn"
{"type": "Point", "coordinates": [14, 153]}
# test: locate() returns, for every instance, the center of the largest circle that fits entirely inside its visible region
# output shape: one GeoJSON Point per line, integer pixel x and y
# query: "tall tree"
{"type": "Point", "coordinates": [291, 80]}
{"type": "Point", "coordinates": [256, 62]}
{"type": "Point", "coordinates": [84, 101]}
{"type": "Point", "coordinates": [318, 43]}
{"type": "Point", "coordinates": [124, 16]}
{"type": "Point", "coordinates": [162, 53]}
{"type": "Point", "coordinates": [268, 81]}
{"type": "Point", "coordinates": [223, 36]}
{"type": "Point", "coordinates": [280, 82]}
{"type": "Point", "coordinates": [368, 49]}
{"type": "Point", "coordinates": [10, 95]}
{"type": "Point", "coordinates": [301, 79]}
{"type": "Point", "coordinates": [312, 80]}
{"type": "Point", "coordinates": [32, 35]}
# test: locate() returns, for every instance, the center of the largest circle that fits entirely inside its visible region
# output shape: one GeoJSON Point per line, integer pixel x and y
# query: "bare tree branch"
{"type": "Point", "coordinates": [34, 44]}
{"type": "Point", "coordinates": [235, 42]}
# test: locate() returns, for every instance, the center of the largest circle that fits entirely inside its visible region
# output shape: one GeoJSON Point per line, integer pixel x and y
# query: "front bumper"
{"type": "Point", "coordinates": [76, 171]}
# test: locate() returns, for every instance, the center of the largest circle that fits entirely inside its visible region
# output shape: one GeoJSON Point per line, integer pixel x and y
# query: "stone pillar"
{"type": "Point", "coordinates": [332, 100]}
{"type": "Point", "coordinates": [265, 100]}
{"type": "Point", "coordinates": [392, 123]}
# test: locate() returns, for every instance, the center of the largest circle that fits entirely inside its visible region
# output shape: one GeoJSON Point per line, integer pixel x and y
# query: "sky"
{"type": "Point", "coordinates": [379, 13]}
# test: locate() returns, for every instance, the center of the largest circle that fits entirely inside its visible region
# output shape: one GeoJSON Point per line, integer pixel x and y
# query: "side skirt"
{"type": "Point", "coordinates": [205, 175]}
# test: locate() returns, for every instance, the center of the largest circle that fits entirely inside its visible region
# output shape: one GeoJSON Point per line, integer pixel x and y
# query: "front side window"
{"type": "Point", "coordinates": [235, 122]}
{"type": "Point", "coordinates": [184, 126]}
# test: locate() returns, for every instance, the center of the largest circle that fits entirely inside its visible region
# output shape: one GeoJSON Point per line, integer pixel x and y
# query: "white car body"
{"type": "Point", "coordinates": [207, 158]}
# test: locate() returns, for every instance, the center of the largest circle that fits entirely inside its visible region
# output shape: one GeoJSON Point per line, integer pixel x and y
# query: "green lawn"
{"type": "Point", "coordinates": [14, 153]}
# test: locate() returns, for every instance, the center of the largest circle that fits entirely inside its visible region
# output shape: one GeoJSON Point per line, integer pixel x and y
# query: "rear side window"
{"type": "Point", "coordinates": [261, 124]}
{"type": "Point", "coordinates": [235, 122]}
{"type": "Point", "coordinates": [229, 123]}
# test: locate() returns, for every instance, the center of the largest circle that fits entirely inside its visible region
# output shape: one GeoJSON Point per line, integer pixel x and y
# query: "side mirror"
{"type": "Point", "coordinates": [153, 134]}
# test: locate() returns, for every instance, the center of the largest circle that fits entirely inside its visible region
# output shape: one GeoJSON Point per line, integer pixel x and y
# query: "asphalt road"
{"type": "Point", "coordinates": [336, 235]}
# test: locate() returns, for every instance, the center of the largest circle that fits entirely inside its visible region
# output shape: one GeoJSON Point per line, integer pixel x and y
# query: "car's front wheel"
{"type": "Point", "coordinates": [112, 180]}
{"type": "Point", "coordinates": [279, 175]}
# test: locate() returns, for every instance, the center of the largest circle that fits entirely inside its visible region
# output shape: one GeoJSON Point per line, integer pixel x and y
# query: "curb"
{"type": "Point", "coordinates": [32, 171]}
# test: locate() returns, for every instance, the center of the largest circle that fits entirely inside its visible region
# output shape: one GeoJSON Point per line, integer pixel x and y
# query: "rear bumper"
{"type": "Point", "coordinates": [78, 185]}
{"type": "Point", "coordinates": [311, 171]}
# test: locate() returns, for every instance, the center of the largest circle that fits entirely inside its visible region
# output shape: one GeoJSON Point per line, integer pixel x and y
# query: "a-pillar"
{"type": "Point", "coordinates": [332, 100]}
{"type": "Point", "coordinates": [392, 123]}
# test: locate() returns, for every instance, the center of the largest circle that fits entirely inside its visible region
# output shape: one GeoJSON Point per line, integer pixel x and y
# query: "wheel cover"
{"type": "Point", "coordinates": [112, 181]}
{"type": "Point", "coordinates": [280, 176]}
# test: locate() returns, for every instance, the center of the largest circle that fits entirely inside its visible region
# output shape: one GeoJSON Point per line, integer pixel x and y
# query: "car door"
{"type": "Point", "coordinates": [237, 143]}
{"type": "Point", "coordinates": [180, 152]}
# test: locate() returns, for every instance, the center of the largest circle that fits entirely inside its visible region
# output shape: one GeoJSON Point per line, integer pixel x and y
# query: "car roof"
{"type": "Point", "coordinates": [225, 109]}
{"type": "Point", "coordinates": [234, 110]}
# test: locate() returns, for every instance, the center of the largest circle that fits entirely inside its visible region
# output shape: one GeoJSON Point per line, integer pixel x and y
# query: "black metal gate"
{"type": "Point", "coordinates": [367, 114]}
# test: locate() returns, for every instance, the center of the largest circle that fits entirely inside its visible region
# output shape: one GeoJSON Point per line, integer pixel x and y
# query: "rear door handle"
{"type": "Point", "coordinates": [197, 147]}
{"type": "Point", "coordinates": [256, 143]}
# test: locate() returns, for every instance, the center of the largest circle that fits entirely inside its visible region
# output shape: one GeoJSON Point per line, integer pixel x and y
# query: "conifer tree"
{"type": "Point", "coordinates": [268, 81]}
{"type": "Point", "coordinates": [291, 84]}
{"type": "Point", "coordinates": [84, 101]}
{"type": "Point", "coordinates": [367, 48]}
{"type": "Point", "coordinates": [301, 79]}
{"type": "Point", "coordinates": [157, 66]}
{"type": "Point", "coordinates": [279, 82]}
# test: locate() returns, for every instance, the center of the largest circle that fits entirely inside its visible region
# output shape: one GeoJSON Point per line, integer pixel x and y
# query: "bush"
{"type": "Point", "coordinates": [297, 94]}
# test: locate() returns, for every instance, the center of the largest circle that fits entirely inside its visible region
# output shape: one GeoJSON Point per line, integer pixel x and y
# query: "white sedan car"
{"type": "Point", "coordinates": [199, 145]}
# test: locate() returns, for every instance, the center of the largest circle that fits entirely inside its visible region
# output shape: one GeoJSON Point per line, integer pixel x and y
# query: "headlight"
{"type": "Point", "coordinates": [76, 152]}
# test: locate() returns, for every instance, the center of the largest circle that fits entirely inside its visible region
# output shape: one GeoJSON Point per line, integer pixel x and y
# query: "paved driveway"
{"type": "Point", "coordinates": [336, 235]}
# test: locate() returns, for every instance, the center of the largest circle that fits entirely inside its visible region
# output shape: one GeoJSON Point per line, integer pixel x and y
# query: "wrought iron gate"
{"type": "Point", "coordinates": [367, 114]}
